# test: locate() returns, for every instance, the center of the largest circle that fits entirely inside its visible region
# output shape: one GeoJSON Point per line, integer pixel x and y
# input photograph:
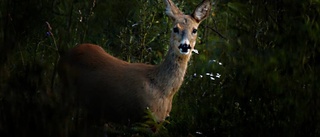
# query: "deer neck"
{"type": "Point", "coordinates": [168, 76]}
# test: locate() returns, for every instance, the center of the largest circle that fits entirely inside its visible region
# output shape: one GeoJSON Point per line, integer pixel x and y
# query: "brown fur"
{"type": "Point", "coordinates": [119, 91]}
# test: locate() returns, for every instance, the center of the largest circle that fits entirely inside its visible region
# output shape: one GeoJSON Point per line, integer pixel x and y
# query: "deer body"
{"type": "Point", "coordinates": [119, 91]}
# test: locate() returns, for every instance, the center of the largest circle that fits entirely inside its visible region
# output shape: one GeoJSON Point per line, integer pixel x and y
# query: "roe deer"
{"type": "Point", "coordinates": [119, 91]}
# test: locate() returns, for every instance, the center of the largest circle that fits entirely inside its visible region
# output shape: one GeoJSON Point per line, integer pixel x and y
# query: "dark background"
{"type": "Point", "coordinates": [256, 74]}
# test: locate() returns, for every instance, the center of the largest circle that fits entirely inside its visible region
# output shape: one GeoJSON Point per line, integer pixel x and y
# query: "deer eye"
{"type": "Point", "coordinates": [175, 30]}
{"type": "Point", "coordinates": [194, 31]}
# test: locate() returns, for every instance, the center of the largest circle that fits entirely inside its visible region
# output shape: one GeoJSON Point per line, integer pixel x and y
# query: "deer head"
{"type": "Point", "coordinates": [184, 32]}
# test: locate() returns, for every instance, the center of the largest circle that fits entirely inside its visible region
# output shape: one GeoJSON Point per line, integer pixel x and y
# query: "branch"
{"type": "Point", "coordinates": [220, 35]}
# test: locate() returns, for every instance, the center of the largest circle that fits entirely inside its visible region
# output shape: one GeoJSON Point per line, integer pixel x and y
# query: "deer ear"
{"type": "Point", "coordinates": [202, 11]}
{"type": "Point", "coordinates": [172, 10]}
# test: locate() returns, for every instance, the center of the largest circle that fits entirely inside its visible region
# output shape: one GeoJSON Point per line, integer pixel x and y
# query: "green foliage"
{"type": "Point", "coordinates": [151, 127]}
{"type": "Point", "coordinates": [140, 38]}
{"type": "Point", "coordinates": [256, 73]}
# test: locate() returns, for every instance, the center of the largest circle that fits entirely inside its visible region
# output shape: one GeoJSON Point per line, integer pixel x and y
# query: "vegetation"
{"type": "Point", "coordinates": [256, 73]}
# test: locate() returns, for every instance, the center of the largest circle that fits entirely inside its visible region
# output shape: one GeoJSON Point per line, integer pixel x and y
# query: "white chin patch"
{"type": "Point", "coordinates": [184, 52]}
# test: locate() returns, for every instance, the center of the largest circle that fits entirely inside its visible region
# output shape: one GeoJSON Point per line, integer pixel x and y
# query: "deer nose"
{"type": "Point", "coordinates": [184, 48]}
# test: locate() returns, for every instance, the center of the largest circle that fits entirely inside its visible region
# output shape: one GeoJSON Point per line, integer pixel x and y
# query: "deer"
{"type": "Point", "coordinates": [119, 91]}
